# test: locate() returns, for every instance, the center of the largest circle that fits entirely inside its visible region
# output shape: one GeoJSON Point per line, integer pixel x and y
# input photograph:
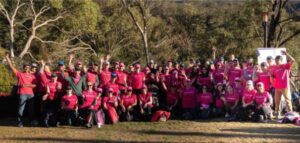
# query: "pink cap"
{"type": "Point", "coordinates": [122, 64]}
{"type": "Point", "coordinates": [99, 90]}
{"type": "Point", "coordinates": [79, 63]}
{"type": "Point", "coordinates": [137, 65]}
{"type": "Point", "coordinates": [110, 90]}
{"type": "Point", "coordinates": [129, 88]}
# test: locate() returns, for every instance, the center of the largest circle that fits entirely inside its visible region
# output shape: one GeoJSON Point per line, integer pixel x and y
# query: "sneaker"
{"type": "Point", "coordinates": [278, 117]}
{"type": "Point", "coordinates": [20, 125]}
{"type": "Point", "coordinates": [88, 126]}
{"type": "Point", "coordinates": [57, 124]}
{"type": "Point", "coordinates": [98, 125]}
{"type": "Point", "coordinates": [227, 115]}
{"type": "Point", "coordinates": [261, 118]}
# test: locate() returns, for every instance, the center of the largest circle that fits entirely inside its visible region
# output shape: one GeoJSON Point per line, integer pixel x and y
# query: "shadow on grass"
{"type": "Point", "coordinates": [33, 139]}
{"type": "Point", "coordinates": [266, 133]}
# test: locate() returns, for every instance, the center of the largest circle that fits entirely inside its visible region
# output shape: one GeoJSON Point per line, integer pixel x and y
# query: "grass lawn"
{"type": "Point", "coordinates": [171, 131]}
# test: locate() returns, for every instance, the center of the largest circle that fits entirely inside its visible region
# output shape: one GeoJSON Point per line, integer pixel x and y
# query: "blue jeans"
{"type": "Point", "coordinates": [26, 99]}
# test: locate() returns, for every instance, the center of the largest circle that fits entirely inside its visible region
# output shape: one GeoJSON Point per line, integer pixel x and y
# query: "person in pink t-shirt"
{"type": "Point", "coordinates": [263, 75]}
{"type": "Point", "coordinates": [281, 74]}
{"type": "Point", "coordinates": [128, 102]}
{"type": "Point", "coordinates": [247, 106]}
{"type": "Point", "coordinates": [145, 100]}
{"type": "Point", "coordinates": [233, 72]}
{"type": "Point", "coordinates": [69, 106]}
{"type": "Point", "coordinates": [104, 73]}
{"type": "Point", "coordinates": [263, 102]}
{"type": "Point", "coordinates": [26, 84]}
{"type": "Point", "coordinates": [137, 79]}
{"type": "Point", "coordinates": [88, 96]}
{"type": "Point", "coordinates": [204, 100]}
{"type": "Point", "coordinates": [110, 104]}
{"type": "Point", "coordinates": [219, 92]}
{"type": "Point", "coordinates": [122, 78]}
{"type": "Point", "coordinates": [231, 100]}
{"type": "Point", "coordinates": [188, 102]}
{"type": "Point", "coordinates": [96, 114]}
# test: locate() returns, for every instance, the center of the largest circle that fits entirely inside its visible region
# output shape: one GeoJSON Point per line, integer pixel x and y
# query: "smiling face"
{"type": "Point", "coordinates": [26, 68]}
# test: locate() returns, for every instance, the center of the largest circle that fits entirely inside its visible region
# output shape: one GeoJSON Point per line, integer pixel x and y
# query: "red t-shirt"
{"type": "Point", "coordinates": [70, 101]}
{"type": "Point", "coordinates": [265, 78]}
{"type": "Point", "coordinates": [89, 98]}
{"type": "Point", "coordinates": [218, 75]}
{"type": "Point", "coordinates": [145, 98]}
{"type": "Point", "coordinates": [172, 97]}
{"type": "Point", "coordinates": [128, 100]}
{"type": "Point", "coordinates": [137, 80]}
{"type": "Point", "coordinates": [53, 86]}
{"type": "Point", "coordinates": [189, 98]}
{"type": "Point", "coordinates": [219, 103]}
{"type": "Point", "coordinates": [248, 73]}
{"type": "Point", "coordinates": [248, 95]}
{"type": "Point", "coordinates": [204, 99]}
{"type": "Point", "coordinates": [110, 101]}
{"type": "Point", "coordinates": [114, 86]}
{"type": "Point", "coordinates": [91, 76]}
{"type": "Point", "coordinates": [62, 80]}
{"type": "Point", "coordinates": [104, 77]}
{"type": "Point", "coordinates": [97, 104]}
{"type": "Point", "coordinates": [204, 81]}
{"type": "Point", "coordinates": [44, 79]}
{"type": "Point", "coordinates": [238, 90]}
{"type": "Point", "coordinates": [261, 98]}
{"type": "Point", "coordinates": [281, 74]}
{"type": "Point", "coordinates": [231, 98]}
{"type": "Point", "coordinates": [121, 76]}
{"type": "Point", "coordinates": [233, 73]}
{"type": "Point", "coordinates": [25, 78]}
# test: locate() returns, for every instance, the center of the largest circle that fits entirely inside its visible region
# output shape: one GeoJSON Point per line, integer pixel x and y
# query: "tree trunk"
{"type": "Point", "coordinates": [145, 40]}
{"type": "Point", "coordinates": [12, 41]}
{"type": "Point", "coordinates": [27, 46]}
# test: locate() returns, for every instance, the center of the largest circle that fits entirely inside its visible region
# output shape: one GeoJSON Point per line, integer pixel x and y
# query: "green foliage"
{"type": "Point", "coordinates": [7, 79]}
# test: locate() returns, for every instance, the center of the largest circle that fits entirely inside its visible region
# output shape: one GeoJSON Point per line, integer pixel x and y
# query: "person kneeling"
{"type": "Point", "coordinates": [204, 99]}
{"type": "Point", "coordinates": [127, 103]}
{"type": "Point", "coordinates": [69, 106]}
{"type": "Point", "coordinates": [96, 114]}
{"type": "Point", "coordinates": [263, 101]}
{"type": "Point", "coordinates": [146, 104]}
{"type": "Point", "coordinates": [110, 103]}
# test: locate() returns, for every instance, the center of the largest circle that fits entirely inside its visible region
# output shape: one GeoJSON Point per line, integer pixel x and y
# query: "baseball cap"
{"type": "Point", "coordinates": [61, 63]}
{"type": "Point", "coordinates": [237, 79]}
{"type": "Point", "coordinates": [122, 64]}
{"type": "Point", "coordinates": [260, 83]}
{"type": "Point", "coordinates": [33, 65]}
{"type": "Point", "coordinates": [99, 90]}
{"type": "Point", "coordinates": [137, 65]}
{"type": "Point", "coordinates": [249, 82]}
{"type": "Point", "coordinates": [269, 58]}
{"type": "Point", "coordinates": [106, 62]}
{"type": "Point", "coordinates": [113, 75]}
{"type": "Point", "coordinates": [129, 88]}
{"type": "Point", "coordinates": [78, 63]}
{"type": "Point", "coordinates": [110, 90]}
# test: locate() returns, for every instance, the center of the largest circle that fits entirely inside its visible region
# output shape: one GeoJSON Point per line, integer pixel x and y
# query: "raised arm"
{"type": "Point", "coordinates": [12, 67]}
{"type": "Point", "coordinates": [292, 60]}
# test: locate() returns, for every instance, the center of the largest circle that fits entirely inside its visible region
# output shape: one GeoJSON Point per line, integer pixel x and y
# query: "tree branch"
{"type": "Point", "coordinates": [290, 37]}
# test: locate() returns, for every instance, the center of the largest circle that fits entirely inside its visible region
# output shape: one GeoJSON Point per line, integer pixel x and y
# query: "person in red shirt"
{"type": "Point", "coordinates": [69, 107]}
{"type": "Point", "coordinates": [248, 71]}
{"type": "Point", "coordinates": [104, 73]}
{"type": "Point", "coordinates": [112, 84]}
{"type": "Point", "coordinates": [204, 101]}
{"type": "Point", "coordinates": [263, 102]}
{"type": "Point", "coordinates": [96, 114]}
{"type": "Point", "coordinates": [137, 79]}
{"type": "Point", "coordinates": [92, 75]}
{"type": "Point", "coordinates": [247, 107]}
{"type": "Point", "coordinates": [122, 78]}
{"type": "Point", "coordinates": [145, 100]}
{"type": "Point", "coordinates": [50, 101]}
{"type": "Point", "coordinates": [110, 103]}
{"type": "Point", "coordinates": [263, 75]}
{"type": "Point", "coordinates": [233, 72]}
{"type": "Point", "coordinates": [238, 88]}
{"type": "Point", "coordinates": [219, 92]}
{"type": "Point", "coordinates": [204, 78]}
{"type": "Point", "coordinates": [26, 84]}
{"type": "Point", "coordinates": [281, 74]}
{"type": "Point", "coordinates": [128, 101]}
{"type": "Point", "coordinates": [218, 74]}
{"type": "Point", "coordinates": [188, 102]}
{"type": "Point", "coordinates": [231, 100]}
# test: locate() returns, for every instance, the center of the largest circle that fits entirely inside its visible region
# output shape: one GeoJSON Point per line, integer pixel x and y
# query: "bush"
{"type": "Point", "coordinates": [7, 79]}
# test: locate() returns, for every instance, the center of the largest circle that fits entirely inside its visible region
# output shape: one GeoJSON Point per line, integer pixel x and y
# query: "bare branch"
{"type": "Point", "coordinates": [290, 37]}
{"type": "Point", "coordinates": [46, 22]}
{"type": "Point", "coordinates": [132, 16]}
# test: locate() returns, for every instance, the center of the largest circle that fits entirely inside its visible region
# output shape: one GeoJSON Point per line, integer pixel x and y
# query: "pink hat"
{"type": "Point", "coordinates": [122, 64]}
{"type": "Point", "coordinates": [99, 90]}
{"type": "Point", "coordinates": [137, 65]}
{"type": "Point", "coordinates": [260, 83]}
{"type": "Point", "coordinates": [129, 88]}
{"type": "Point", "coordinates": [110, 89]}
{"type": "Point", "coordinates": [79, 63]}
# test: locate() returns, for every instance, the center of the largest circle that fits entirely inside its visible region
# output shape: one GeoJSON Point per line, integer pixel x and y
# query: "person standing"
{"type": "Point", "coordinates": [26, 84]}
{"type": "Point", "coordinates": [281, 74]}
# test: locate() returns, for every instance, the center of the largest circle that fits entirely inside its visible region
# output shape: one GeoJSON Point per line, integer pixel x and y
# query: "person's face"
{"type": "Point", "coordinates": [231, 57]}
{"type": "Point", "coordinates": [269, 61]}
{"type": "Point", "coordinates": [90, 86]}
{"type": "Point", "coordinates": [54, 79]}
{"type": "Point", "coordinates": [166, 70]}
{"type": "Point", "coordinates": [204, 70]}
{"type": "Point", "coordinates": [260, 88]}
{"type": "Point", "coordinates": [144, 90]}
{"type": "Point", "coordinates": [237, 82]}
{"type": "Point", "coordinates": [69, 92]}
{"type": "Point", "coordinates": [264, 68]}
{"type": "Point", "coordinates": [229, 89]}
{"type": "Point", "coordinates": [27, 69]}
{"type": "Point", "coordinates": [62, 67]}
{"type": "Point", "coordinates": [47, 68]}
{"type": "Point", "coordinates": [278, 61]}
{"type": "Point", "coordinates": [249, 86]}
{"type": "Point", "coordinates": [33, 69]}
{"type": "Point", "coordinates": [204, 89]}
{"type": "Point", "coordinates": [122, 68]}
{"type": "Point", "coordinates": [116, 66]}
{"type": "Point", "coordinates": [235, 63]}
{"type": "Point", "coordinates": [220, 88]}
{"type": "Point", "coordinates": [129, 92]}
{"type": "Point", "coordinates": [170, 64]}
{"type": "Point", "coordinates": [77, 73]}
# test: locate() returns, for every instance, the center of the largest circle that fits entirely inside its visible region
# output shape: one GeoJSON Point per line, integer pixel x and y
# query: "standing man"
{"type": "Point", "coordinates": [281, 73]}
{"type": "Point", "coordinates": [26, 84]}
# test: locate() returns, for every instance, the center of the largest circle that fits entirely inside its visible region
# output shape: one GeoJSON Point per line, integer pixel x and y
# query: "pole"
{"type": "Point", "coordinates": [265, 24]}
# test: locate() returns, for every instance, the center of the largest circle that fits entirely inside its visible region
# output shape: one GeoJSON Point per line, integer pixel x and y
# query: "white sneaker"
{"type": "Point", "coordinates": [227, 115]}
{"type": "Point", "coordinates": [99, 125]}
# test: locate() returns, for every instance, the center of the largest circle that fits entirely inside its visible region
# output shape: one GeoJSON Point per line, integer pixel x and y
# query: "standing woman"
{"type": "Point", "coordinates": [231, 100]}
{"type": "Point", "coordinates": [110, 103]}
{"type": "Point", "coordinates": [145, 103]}
{"type": "Point", "coordinates": [188, 105]}
{"type": "Point", "coordinates": [69, 106]}
{"type": "Point", "coordinates": [204, 78]}
{"type": "Point", "coordinates": [263, 102]}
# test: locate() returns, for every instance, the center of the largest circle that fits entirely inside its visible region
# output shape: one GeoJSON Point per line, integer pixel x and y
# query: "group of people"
{"type": "Point", "coordinates": [106, 92]}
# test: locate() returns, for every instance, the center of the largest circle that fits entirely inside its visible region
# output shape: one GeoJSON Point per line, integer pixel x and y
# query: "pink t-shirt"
{"type": "Point", "coordinates": [281, 74]}
{"type": "Point", "coordinates": [89, 98]}
{"type": "Point", "coordinates": [233, 73]}
{"type": "Point", "coordinates": [218, 75]}
{"type": "Point", "coordinates": [25, 78]}
{"type": "Point", "coordinates": [265, 78]}
{"type": "Point", "coordinates": [114, 86]}
{"type": "Point", "coordinates": [121, 79]}
{"type": "Point", "coordinates": [261, 98]}
{"type": "Point", "coordinates": [238, 90]}
{"type": "Point", "coordinates": [97, 104]}
{"type": "Point", "coordinates": [145, 98]}
{"type": "Point", "coordinates": [248, 95]}
{"type": "Point", "coordinates": [248, 73]}
{"type": "Point", "coordinates": [128, 100]}
{"type": "Point", "coordinates": [231, 98]}
{"type": "Point", "coordinates": [91, 77]}
{"type": "Point", "coordinates": [204, 99]}
{"type": "Point", "coordinates": [219, 103]}
{"type": "Point", "coordinates": [204, 81]}
{"type": "Point", "coordinates": [189, 98]}
{"type": "Point", "coordinates": [171, 98]}
{"type": "Point", "coordinates": [53, 86]}
{"type": "Point", "coordinates": [104, 77]}
{"type": "Point", "coordinates": [137, 80]}
{"type": "Point", "coordinates": [70, 101]}
{"type": "Point", "coordinates": [110, 101]}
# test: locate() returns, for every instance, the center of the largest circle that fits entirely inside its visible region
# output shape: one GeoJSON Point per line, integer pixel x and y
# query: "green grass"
{"type": "Point", "coordinates": [171, 131]}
